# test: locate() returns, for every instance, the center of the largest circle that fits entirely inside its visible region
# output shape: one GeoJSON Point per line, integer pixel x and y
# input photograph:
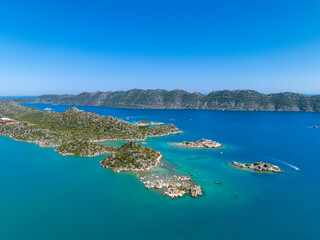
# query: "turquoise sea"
{"type": "Point", "coordinates": [48, 196]}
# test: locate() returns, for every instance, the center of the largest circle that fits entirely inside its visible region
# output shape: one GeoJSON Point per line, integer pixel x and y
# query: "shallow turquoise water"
{"type": "Point", "coordinates": [47, 196]}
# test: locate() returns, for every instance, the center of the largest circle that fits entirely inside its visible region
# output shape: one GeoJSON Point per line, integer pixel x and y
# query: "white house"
{"type": "Point", "coordinates": [5, 119]}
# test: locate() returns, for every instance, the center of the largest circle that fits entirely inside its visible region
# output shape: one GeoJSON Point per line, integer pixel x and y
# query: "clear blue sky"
{"type": "Point", "coordinates": [74, 46]}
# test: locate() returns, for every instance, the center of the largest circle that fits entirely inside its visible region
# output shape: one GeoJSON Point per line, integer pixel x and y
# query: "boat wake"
{"type": "Point", "coordinates": [266, 157]}
{"type": "Point", "coordinates": [288, 164]}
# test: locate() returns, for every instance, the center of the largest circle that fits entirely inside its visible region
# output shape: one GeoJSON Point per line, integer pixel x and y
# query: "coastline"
{"type": "Point", "coordinates": [139, 139]}
{"type": "Point", "coordinates": [193, 109]}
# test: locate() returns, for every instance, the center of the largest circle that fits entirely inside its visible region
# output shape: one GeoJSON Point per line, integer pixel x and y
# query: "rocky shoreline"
{"type": "Point", "coordinates": [259, 166]}
{"type": "Point", "coordinates": [202, 143]}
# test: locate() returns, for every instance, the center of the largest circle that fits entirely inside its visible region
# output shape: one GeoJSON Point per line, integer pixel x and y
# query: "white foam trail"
{"type": "Point", "coordinates": [288, 164]}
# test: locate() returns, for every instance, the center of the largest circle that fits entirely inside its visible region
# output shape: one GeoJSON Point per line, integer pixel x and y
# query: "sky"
{"type": "Point", "coordinates": [199, 46]}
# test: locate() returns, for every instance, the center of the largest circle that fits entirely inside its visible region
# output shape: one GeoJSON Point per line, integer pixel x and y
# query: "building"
{"type": "Point", "coordinates": [7, 121]}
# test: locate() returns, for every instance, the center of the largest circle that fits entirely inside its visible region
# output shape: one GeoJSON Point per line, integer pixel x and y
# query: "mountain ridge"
{"type": "Point", "coordinates": [237, 100]}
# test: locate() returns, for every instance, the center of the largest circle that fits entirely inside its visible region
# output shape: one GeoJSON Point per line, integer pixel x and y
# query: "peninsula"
{"type": "Point", "coordinates": [259, 166]}
{"type": "Point", "coordinates": [66, 130]}
{"type": "Point", "coordinates": [235, 100]}
{"type": "Point", "coordinates": [202, 143]}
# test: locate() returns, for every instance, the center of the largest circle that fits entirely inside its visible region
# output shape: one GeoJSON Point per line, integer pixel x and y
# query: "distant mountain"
{"type": "Point", "coordinates": [240, 100]}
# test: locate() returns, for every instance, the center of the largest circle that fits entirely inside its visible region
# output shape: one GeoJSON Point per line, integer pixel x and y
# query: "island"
{"type": "Point", "coordinates": [148, 123]}
{"type": "Point", "coordinates": [259, 166]}
{"type": "Point", "coordinates": [202, 143]}
{"type": "Point", "coordinates": [78, 133]}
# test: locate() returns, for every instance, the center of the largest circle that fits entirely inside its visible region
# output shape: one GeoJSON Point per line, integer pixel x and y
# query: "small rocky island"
{"type": "Point", "coordinates": [148, 123]}
{"type": "Point", "coordinates": [259, 166]}
{"type": "Point", "coordinates": [202, 143]}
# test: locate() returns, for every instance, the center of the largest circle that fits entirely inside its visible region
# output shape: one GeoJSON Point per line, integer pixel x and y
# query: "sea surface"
{"type": "Point", "coordinates": [47, 196]}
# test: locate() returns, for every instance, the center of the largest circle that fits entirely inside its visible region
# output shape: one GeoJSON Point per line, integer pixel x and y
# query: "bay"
{"type": "Point", "coordinates": [48, 196]}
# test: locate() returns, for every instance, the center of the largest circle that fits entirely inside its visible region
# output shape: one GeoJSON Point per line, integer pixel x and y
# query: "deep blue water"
{"type": "Point", "coordinates": [47, 196]}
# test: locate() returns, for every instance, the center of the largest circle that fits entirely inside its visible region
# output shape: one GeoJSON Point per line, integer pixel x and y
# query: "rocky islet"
{"type": "Point", "coordinates": [259, 167]}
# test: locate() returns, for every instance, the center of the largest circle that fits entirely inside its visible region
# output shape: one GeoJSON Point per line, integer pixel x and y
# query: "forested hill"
{"type": "Point", "coordinates": [179, 99]}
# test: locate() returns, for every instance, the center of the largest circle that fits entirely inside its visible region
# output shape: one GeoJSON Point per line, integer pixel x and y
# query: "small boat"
{"type": "Point", "coordinates": [143, 143]}
{"type": "Point", "coordinates": [315, 127]}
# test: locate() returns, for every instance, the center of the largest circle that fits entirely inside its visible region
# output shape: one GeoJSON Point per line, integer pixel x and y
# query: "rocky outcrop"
{"type": "Point", "coordinates": [173, 187]}
{"type": "Point", "coordinates": [202, 143]}
{"type": "Point", "coordinates": [259, 166]}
